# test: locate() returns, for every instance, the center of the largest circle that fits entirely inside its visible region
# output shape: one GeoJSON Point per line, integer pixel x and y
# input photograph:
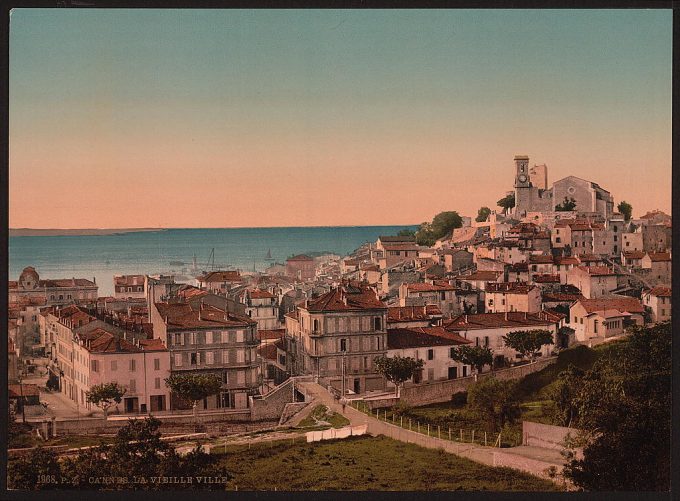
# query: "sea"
{"type": "Point", "coordinates": [100, 257]}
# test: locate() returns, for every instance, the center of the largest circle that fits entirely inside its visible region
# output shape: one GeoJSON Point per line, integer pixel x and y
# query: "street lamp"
{"type": "Point", "coordinates": [23, 404]}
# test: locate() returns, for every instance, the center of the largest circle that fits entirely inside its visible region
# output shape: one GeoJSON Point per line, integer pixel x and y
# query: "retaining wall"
{"type": "Point", "coordinates": [442, 391]}
{"type": "Point", "coordinates": [545, 435]}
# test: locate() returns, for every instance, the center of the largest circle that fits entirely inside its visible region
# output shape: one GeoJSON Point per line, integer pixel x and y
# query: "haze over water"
{"type": "Point", "coordinates": [104, 256]}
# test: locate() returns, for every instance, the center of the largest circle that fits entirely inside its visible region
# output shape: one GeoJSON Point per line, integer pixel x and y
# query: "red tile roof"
{"type": "Point", "coordinates": [267, 351]}
{"type": "Point", "coordinates": [597, 271]}
{"type": "Point", "coordinates": [28, 390]}
{"type": "Point", "coordinates": [660, 291]}
{"type": "Point", "coordinates": [346, 297]}
{"type": "Point", "coordinates": [550, 297]}
{"type": "Point", "coordinates": [412, 313]}
{"type": "Point", "coordinates": [633, 254]}
{"type": "Point", "coordinates": [629, 304]}
{"type": "Point", "coordinates": [260, 294]}
{"type": "Point", "coordinates": [657, 257]}
{"type": "Point", "coordinates": [565, 260]}
{"type": "Point", "coordinates": [488, 276]}
{"type": "Point", "coordinates": [270, 334]}
{"type": "Point", "coordinates": [221, 276]}
{"type": "Point", "coordinates": [417, 337]}
{"type": "Point", "coordinates": [499, 320]}
{"type": "Point", "coordinates": [191, 316]}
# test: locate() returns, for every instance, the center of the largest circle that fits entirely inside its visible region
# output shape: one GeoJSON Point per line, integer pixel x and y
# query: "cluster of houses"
{"type": "Point", "coordinates": [585, 275]}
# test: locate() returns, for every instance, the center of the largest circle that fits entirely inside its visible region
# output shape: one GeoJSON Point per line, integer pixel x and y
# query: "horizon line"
{"type": "Point", "coordinates": [215, 227]}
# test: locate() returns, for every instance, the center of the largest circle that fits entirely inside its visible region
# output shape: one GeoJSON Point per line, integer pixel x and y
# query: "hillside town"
{"type": "Point", "coordinates": [560, 257]}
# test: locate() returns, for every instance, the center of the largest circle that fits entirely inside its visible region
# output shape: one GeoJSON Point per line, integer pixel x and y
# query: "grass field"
{"type": "Point", "coordinates": [366, 463]}
{"type": "Point", "coordinates": [533, 392]}
{"type": "Point", "coordinates": [322, 417]}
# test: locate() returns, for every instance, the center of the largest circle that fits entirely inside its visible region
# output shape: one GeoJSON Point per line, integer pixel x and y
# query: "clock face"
{"type": "Point", "coordinates": [522, 178]}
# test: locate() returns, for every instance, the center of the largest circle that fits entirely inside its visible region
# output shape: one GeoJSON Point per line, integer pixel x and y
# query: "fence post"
{"type": "Point", "coordinates": [439, 432]}
{"type": "Point", "coordinates": [449, 433]}
{"type": "Point", "coordinates": [484, 439]}
{"type": "Point", "coordinates": [409, 424]}
{"type": "Point", "coordinates": [461, 434]}
{"type": "Point", "coordinates": [428, 429]}
{"type": "Point", "coordinates": [401, 421]}
{"type": "Point", "coordinates": [376, 414]}
{"type": "Point", "coordinates": [393, 417]}
{"type": "Point", "coordinates": [418, 426]}
{"type": "Point", "coordinates": [473, 436]}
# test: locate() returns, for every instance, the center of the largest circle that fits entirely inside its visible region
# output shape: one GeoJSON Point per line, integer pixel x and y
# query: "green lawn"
{"type": "Point", "coordinates": [322, 417]}
{"type": "Point", "coordinates": [533, 392]}
{"type": "Point", "coordinates": [366, 463]}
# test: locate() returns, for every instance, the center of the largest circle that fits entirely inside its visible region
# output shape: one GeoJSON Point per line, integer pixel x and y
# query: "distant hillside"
{"type": "Point", "coordinates": [37, 232]}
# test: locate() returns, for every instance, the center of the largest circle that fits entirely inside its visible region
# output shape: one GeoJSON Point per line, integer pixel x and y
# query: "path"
{"type": "Point", "coordinates": [478, 453]}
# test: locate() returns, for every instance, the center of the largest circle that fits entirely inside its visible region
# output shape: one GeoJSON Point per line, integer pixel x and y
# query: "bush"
{"type": "Point", "coordinates": [459, 398]}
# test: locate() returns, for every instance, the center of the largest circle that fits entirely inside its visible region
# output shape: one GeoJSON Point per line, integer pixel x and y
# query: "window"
{"type": "Point", "coordinates": [179, 339]}
{"type": "Point", "coordinates": [377, 340]}
{"type": "Point", "coordinates": [316, 325]}
{"type": "Point", "coordinates": [95, 366]}
{"type": "Point", "coordinates": [558, 240]}
{"type": "Point", "coordinates": [133, 385]}
{"type": "Point", "coordinates": [192, 338]}
{"type": "Point", "coordinates": [178, 360]}
{"type": "Point", "coordinates": [595, 326]}
{"type": "Point", "coordinates": [452, 352]}
{"type": "Point", "coordinates": [430, 354]}
{"type": "Point", "coordinates": [156, 364]}
{"type": "Point", "coordinates": [209, 357]}
{"type": "Point", "coordinates": [476, 341]}
{"type": "Point", "coordinates": [377, 323]}
{"type": "Point", "coordinates": [114, 365]}
{"type": "Point", "coordinates": [240, 334]}
{"type": "Point", "coordinates": [195, 358]}
{"type": "Point", "coordinates": [157, 383]}
{"type": "Point", "coordinates": [486, 341]}
{"type": "Point", "coordinates": [343, 345]}
{"type": "Point", "coordinates": [430, 374]}
{"type": "Point", "coordinates": [241, 377]}
{"type": "Point", "coordinates": [240, 356]}
{"type": "Point", "coordinates": [208, 337]}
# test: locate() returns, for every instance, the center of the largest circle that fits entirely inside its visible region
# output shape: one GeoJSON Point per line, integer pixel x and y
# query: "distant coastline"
{"type": "Point", "coordinates": [37, 232]}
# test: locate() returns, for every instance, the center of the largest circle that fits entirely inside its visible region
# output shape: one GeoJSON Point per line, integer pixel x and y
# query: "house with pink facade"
{"type": "Point", "coordinates": [300, 267]}
{"type": "Point", "coordinates": [512, 296]}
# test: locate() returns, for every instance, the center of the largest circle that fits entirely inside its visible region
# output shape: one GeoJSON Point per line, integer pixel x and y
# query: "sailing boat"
{"type": "Point", "coordinates": [269, 256]}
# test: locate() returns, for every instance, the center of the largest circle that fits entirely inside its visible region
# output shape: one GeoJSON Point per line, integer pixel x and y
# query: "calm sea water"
{"type": "Point", "coordinates": [246, 249]}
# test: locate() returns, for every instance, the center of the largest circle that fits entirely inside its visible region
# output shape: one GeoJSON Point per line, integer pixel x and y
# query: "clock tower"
{"type": "Point", "coordinates": [522, 179]}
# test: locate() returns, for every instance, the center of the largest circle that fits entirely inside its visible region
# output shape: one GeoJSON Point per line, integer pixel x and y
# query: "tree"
{"type": "Point", "coordinates": [406, 233]}
{"type": "Point", "coordinates": [482, 214]}
{"type": "Point", "coordinates": [194, 387]}
{"type": "Point", "coordinates": [476, 356]}
{"type": "Point", "coordinates": [397, 369]}
{"type": "Point", "coordinates": [626, 209]}
{"type": "Point", "coordinates": [496, 400]}
{"type": "Point", "coordinates": [527, 343]}
{"type": "Point", "coordinates": [105, 395]}
{"type": "Point", "coordinates": [624, 411]}
{"type": "Point", "coordinates": [568, 204]}
{"type": "Point", "coordinates": [507, 202]}
{"type": "Point", "coordinates": [425, 235]}
{"type": "Point", "coordinates": [563, 392]}
{"type": "Point", "coordinates": [38, 470]}
{"type": "Point", "coordinates": [445, 222]}
{"type": "Point", "coordinates": [138, 451]}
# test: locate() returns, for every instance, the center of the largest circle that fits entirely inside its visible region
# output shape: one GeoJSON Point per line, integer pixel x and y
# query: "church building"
{"type": "Point", "coordinates": [532, 193]}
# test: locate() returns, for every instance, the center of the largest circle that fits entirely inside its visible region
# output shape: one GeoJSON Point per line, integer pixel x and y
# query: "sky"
{"type": "Point", "coordinates": [246, 118]}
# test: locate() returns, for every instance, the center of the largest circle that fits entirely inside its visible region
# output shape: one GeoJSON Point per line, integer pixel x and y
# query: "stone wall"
{"type": "Point", "coordinates": [545, 435]}
{"type": "Point", "coordinates": [271, 405]}
{"type": "Point", "coordinates": [442, 391]}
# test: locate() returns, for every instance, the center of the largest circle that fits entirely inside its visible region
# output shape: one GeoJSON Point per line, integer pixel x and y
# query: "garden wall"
{"type": "Point", "coordinates": [442, 391]}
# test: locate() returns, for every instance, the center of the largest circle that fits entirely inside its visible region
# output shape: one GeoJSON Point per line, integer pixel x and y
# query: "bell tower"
{"type": "Point", "coordinates": [522, 179]}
